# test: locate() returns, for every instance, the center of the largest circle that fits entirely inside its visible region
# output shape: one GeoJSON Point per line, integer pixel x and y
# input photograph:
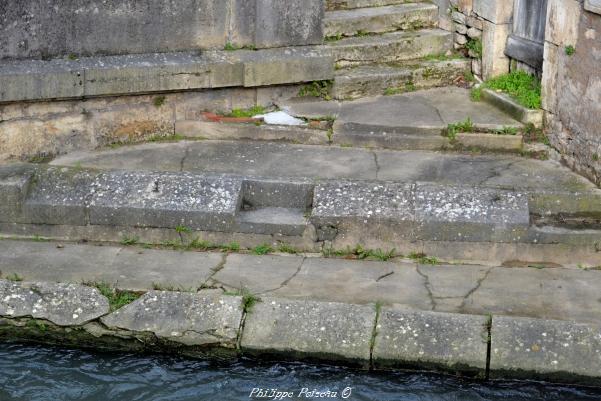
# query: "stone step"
{"type": "Point", "coordinates": [390, 47]}
{"type": "Point", "coordinates": [380, 79]}
{"type": "Point", "coordinates": [362, 21]}
{"type": "Point", "coordinates": [333, 5]}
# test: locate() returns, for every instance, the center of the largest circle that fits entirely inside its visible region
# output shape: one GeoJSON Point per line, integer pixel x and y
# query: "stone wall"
{"type": "Point", "coordinates": [572, 83]}
{"type": "Point", "coordinates": [57, 28]}
{"type": "Point", "coordinates": [481, 29]}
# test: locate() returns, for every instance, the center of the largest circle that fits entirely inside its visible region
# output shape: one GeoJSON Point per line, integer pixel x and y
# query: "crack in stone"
{"type": "Point", "coordinates": [182, 162]}
{"type": "Point", "coordinates": [496, 172]}
{"type": "Point", "coordinates": [382, 277]}
{"type": "Point", "coordinates": [216, 270]}
{"type": "Point", "coordinates": [428, 287]}
{"type": "Point", "coordinates": [476, 288]}
{"type": "Point", "coordinates": [375, 154]}
{"type": "Point", "coordinates": [289, 279]}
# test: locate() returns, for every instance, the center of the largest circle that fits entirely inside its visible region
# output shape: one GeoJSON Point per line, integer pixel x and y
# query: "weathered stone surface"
{"type": "Point", "coordinates": [431, 340]}
{"type": "Point", "coordinates": [495, 11]}
{"type": "Point", "coordinates": [288, 23]}
{"type": "Point", "coordinates": [164, 200]}
{"type": "Point", "coordinates": [513, 108]}
{"type": "Point", "coordinates": [308, 329]}
{"type": "Point", "coordinates": [14, 184]}
{"type": "Point", "coordinates": [58, 196]}
{"type": "Point", "coordinates": [201, 319]}
{"type": "Point", "coordinates": [381, 19]}
{"type": "Point", "coordinates": [61, 304]}
{"type": "Point", "coordinates": [491, 141]}
{"type": "Point", "coordinates": [332, 5]}
{"type": "Point", "coordinates": [494, 40]}
{"type": "Point", "coordinates": [555, 350]}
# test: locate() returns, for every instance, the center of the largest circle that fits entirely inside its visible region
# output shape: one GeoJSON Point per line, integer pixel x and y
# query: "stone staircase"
{"type": "Point", "coordinates": [389, 47]}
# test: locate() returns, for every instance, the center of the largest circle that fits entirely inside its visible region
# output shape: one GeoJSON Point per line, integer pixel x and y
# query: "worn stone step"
{"type": "Point", "coordinates": [332, 5]}
{"type": "Point", "coordinates": [380, 79]}
{"type": "Point", "coordinates": [381, 19]}
{"type": "Point", "coordinates": [390, 47]}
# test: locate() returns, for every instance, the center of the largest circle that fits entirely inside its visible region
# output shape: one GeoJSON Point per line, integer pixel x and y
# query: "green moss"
{"type": "Point", "coordinates": [521, 86]}
{"type": "Point", "coordinates": [570, 50]}
{"type": "Point", "coordinates": [250, 112]}
{"type": "Point", "coordinates": [159, 101]}
{"type": "Point", "coordinates": [475, 45]}
{"type": "Point", "coordinates": [319, 89]}
{"type": "Point", "coordinates": [166, 138]}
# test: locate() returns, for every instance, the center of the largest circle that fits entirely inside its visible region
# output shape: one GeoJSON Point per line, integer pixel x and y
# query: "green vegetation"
{"type": "Point", "coordinates": [249, 300]}
{"type": "Point", "coordinates": [286, 248]}
{"type": "Point", "coordinates": [159, 101]}
{"type": "Point", "coordinates": [72, 57]}
{"type": "Point", "coordinates": [507, 131]}
{"type": "Point", "coordinates": [443, 57]}
{"type": "Point", "coordinates": [229, 46]}
{"type": "Point", "coordinates": [533, 134]}
{"type": "Point", "coordinates": [374, 333]}
{"type": "Point", "coordinates": [423, 259]}
{"type": "Point", "coordinates": [361, 253]}
{"type": "Point", "coordinates": [166, 138]}
{"type": "Point", "coordinates": [263, 249]}
{"type": "Point", "coordinates": [475, 45]}
{"type": "Point", "coordinates": [409, 87]}
{"type": "Point", "coordinates": [317, 89]}
{"type": "Point", "coordinates": [231, 247]}
{"type": "Point", "coordinates": [172, 288]}
{"type": "Point", "coordinates": [117, 298]}
{"type": "Point", "coordinates": [13, 277]}
{"type": "Point", "coordinates": [521, 86]}
{"type": "Point", "coordinates": [466, 125]}
{"type": "Point", "coordinates": [250, 112]}
{"type": "Point", "coordinates": [570, 50]}
{"type": "Point", "coordinates": [183, 229]}
{"type": "Point", "coordinates": [334, 38]}
{"type": "Point", "coordinates": [128, 241]}
{"type": "Point", "coordinates": [37, 325]}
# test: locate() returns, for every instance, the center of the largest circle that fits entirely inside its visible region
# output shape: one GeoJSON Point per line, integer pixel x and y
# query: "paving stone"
{"type": "Point", "coordinates": [61, 304]}
{"type": "Point", "coordinates": [192, 319]}
{"type": "Point", "coordinates": [14, 184]}
{"type": "Point", "coordinates": [431, 340]}
{"type": "Point", "coordinates": [165, 200]}
{"type": "Point", "coordinates": [309, 330]}
{"type": "Point", "coordinates": [546, 349]}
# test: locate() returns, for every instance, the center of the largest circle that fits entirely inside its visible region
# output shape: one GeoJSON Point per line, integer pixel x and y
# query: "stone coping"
{"type": "Point", "coordinates": [514, 109]}
{"type": "Point", "coordinates": [211, 323]}
{"type": "Point", "coordinates": [85, 77]}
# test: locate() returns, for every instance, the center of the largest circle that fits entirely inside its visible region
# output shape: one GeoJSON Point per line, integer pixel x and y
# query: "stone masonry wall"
{"type": "Point", "coordinates": [572, 83]}
{"type": "Point", "coordinates": [58, 28]}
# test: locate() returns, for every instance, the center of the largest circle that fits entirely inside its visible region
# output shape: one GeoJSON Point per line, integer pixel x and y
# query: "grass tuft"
{"type": "Point", "coordinates": [117, 298]}
{"type": "Point", "coordinates": [521, 86]}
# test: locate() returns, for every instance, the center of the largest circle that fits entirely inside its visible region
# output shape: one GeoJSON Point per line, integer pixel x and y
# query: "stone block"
{"type": "Point", "coordinates": [14, 184]}
{"type": "Point", "coordinates": [205, 319]}
{"type": "Point", "coordinates": [461, 29]}
{"type": "Point", "coordinates": [61, 304]}
{"type": "Point", "coordinates": [593, 6]}
{"type": "Point", "coordinates": [166, 200]}
{"type": "Point", "coordinates": [58, 196]}
{"type": "Point", "coordinates": [495, 11]}
{"type": "Point", "coordinates": [549, 86]}
{"type": "Point", "coordinates": [494, 39]}
{"type": "Point", "coordinates": [309, 330]}
{"type": "Point", "coordinates": [460, 39]}
{"type": "Point", "coordinates": [545, 349]}
{"type": "Point", "coordinates": [289, 23]}
{"type": "Point", "coordinates": [513, 108]}
{"type": "Point", "coordinates": [475, 22]}
{"type": "Point", "coordinates": [563, 17]}
{"type": "Point", "coordinates": [430, 340]}
{"type": "Point", "coordinates": [474, 33]}
{"type": "Point", "coordinates": [458, 17]}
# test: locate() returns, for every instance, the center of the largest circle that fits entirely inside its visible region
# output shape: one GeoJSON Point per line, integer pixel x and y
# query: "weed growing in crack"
{"type": "Point", "coordinates": [13, 277]}
{"type": "Point", "coordinates": [117, 298]}
{"type": "Point", "coordinates": [423, 259]}
{"type": "Point", "coordinates": [452, 130]}
{"type": "Point", "coordinates": [287, 248]}
{"type": "Point", "coordinates": [263, 249]}
{"type": "Point", "coordinates": [129, 241]}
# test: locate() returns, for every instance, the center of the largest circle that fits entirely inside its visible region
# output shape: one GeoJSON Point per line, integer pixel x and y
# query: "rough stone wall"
{"type": "Point", "coordinates": [572, 84]}
{"type": "Point", "coordinates": [57, 28]}
{"type": "Point", "coordinates": [485, 25]}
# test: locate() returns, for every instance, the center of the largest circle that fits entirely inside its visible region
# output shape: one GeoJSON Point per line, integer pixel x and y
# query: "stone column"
{"type": "Point", "coordinates": [497, 19]}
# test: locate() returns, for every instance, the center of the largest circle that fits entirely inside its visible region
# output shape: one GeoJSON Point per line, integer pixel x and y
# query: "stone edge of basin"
{"type": "Point", "coordinates": [375, 337]}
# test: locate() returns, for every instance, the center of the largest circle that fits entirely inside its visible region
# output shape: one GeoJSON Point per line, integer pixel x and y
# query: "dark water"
{"type": "Point", "coordinates": [31, 373]}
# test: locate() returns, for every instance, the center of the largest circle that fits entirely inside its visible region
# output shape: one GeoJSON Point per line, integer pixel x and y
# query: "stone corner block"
{"type": "Point", "coordinates": [206, 319]}
{"type": "Point", "coordinates": [15, 180]}
{"type": "Point", "coordinates": [495, 11]}
{"type": "Point", "coordinates": [450, 342]}
{"type": "Point", "coordinates": [547, 349]}
{"type": "Point", "coordinates": [593, 6]}
{"type": "Point", "coordinates": [563, 18]}
{"type": "Point", "coordinates": [61, 304]}
{"type": "Point", "coordinates": [310, 330]}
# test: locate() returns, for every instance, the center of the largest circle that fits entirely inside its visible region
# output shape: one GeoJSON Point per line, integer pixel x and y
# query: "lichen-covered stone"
{"type": "Point", "coordinates": [206, 319]}
{"type": "Point", "coordinates": [61, 304]}
{"type": "Point", "coordinates": [431, 340]}
{"type": "Point", "coordinates": [308, 329]}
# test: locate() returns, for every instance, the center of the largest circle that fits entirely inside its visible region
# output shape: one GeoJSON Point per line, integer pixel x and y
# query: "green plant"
{"type": "Point", "coordinates": [475, 45]}
{"type": "Point", "coordinates": [166, 138]}
{"type": "Point", "coordinates": [37, 325]}
{"type": "Point", "coordinates": [200, 245]}
{"type": "Point", "coordinates": [595, 157]}
{"type": "Point", "coordinates": [533, 134]}
{"type": "Point", "coordinates": [230, 47]}
{"type": "Point", "coordinates": [423, 259]}
{"type": "Point", "coordinates": [159, 101]}
{"type": "Point", "coordinates": [250, 112]}
{"type": "Point", "coordinates": [286, 248]}
{"type": "Point", "coordinates": [263, 249]}
{"type": "Point", "coordinates": [466, 125]}
{"type": "Point", "coordinates": [334, 38]}
{"type": "Point", "coordinates": [183, 229]}
{"type": "Point", "coordinates": [171, 288]}
{"type": "Point", "coordinates": [72, 57]}
{"type": "Point", "coordinates": [374, 333]}
{"type": "Point", "coordinates": [507, 131]}
{"type": "Point", "coordinates": [317, 89]}
{"type": "Point", "coordinates": [128, 241]}
{"type": "Point", "coordinates": [570, 50]}
{"type": "Point", "coordinates": [521, 86]}
{"type": "Point", "coordinates": [14, 277]}
{"type": "Point", "coordinates": [476, 93]}
{"type": "Point", "coordinates": [117, 298]}
{"type": "Point", "coordinates": [249, 301]}
{"type": "Point", "coordinates": [231, 247]}
{"type": "Point", "coordinates": [382, 255]}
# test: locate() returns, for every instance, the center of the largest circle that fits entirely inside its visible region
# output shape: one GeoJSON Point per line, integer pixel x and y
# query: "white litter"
{"type": "Point", "coordinates": [280, 118]}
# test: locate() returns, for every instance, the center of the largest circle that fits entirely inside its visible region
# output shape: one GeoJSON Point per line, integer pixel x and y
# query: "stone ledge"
{"type": "Point", "coordinates": [514, 109]}
{"type": "Point", "coordinates": [160, 72]}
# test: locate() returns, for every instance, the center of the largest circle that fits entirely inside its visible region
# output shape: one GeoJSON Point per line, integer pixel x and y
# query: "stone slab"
{"type": "Point", "coordinates": [508, 143]}
{"type": "Point", "coordinates": [192, 319]}
{"type": "Point", "coordinates": [14, 185]}
{"type": "Point", "coordinates": [428, 340]}
{"type": "Point", "coordinates": [61, 304]}
{"type": "Point", "coordinates": [129, 268]}
{"type": "Point", "coordinates": [309, 330]}
{"type": "Point", "coordinates": [554, 350]}
{"type": "Point", "coordinates": [513, 108]}
{"type": "Point", "coordinates": [164, 200]}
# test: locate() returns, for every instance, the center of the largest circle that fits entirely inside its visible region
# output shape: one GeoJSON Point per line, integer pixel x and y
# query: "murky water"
{"type": "Point", "coordinates": [29, 372]}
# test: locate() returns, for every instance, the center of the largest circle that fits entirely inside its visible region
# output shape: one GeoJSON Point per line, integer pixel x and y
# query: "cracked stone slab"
{"type": "Point", "coordinates": [61, 304]}
{"type": "Point", "coordinates": [257, 274]}
{"type": "Point", "coordinates": [205, 319]}
{"type": "Point", "coordinates": [309, 330]}
{"type": "Point", "coordinates": [14, 183]}
{"type": "Point", "coordinates": [548, 349]}
{"type": "Point", "coordinates": [444, 341]}
{"type": "Point", "coordinates": [145, 199]}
